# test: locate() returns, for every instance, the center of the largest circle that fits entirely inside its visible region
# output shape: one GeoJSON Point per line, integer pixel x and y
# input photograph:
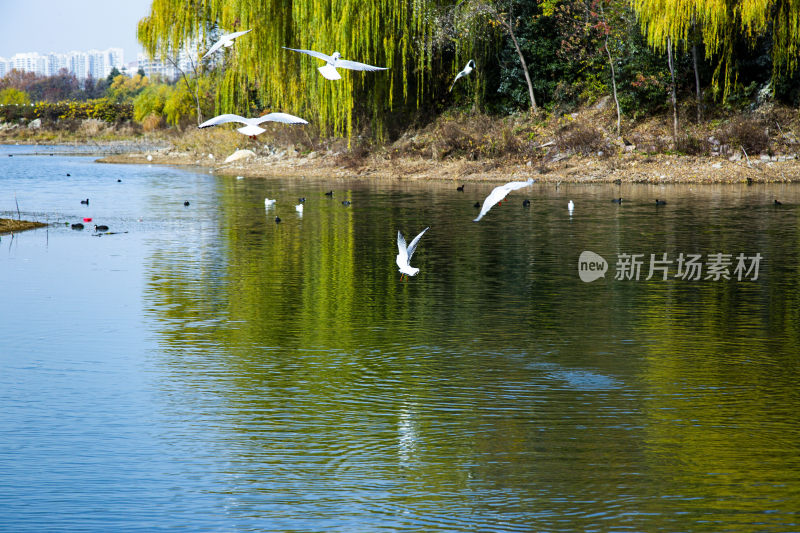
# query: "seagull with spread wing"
{"type": "Point", "coordinates": [252, 127]}
{"type": "Point", "coordinates": [465, 72]}
{"type": "Point", "coordinates": [226, 41]}
{"type": "Point", "coordinates": [404, 254]}
{"type": "Point", "coordinates": [500, 192]}
{"type": "Point", "coordinates": [335, 61]}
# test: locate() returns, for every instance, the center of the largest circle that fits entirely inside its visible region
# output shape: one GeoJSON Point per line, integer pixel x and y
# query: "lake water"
{"type": "Point", "coordinates": [205, 368]}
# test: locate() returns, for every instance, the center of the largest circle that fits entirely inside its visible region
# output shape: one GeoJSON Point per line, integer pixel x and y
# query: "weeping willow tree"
{"type": "Point", "coordinates": [720, 23]}
{"type": "Point", "coordinates": [257, 74]}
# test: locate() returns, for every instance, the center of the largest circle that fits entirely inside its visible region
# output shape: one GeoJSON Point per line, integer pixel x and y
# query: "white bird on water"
{"type": "Point", "coordinates": [500, 192]}
{"type": "Point", "coordinates": [225, 40]}
{"type": "Point", "coordinates": [252, 127]}
{"type": "Point", "coordinates": [335, 61]}
{"type": "Point", "coordinates": [465, 72]}
{"type": "Point", "coordinates": [299, 209]}
{"type": "Point", "coordinates": [268, 203]}
{"type": "Point", "coordinates": [404, 254]}
{"type": "Point", "coordinates": [570, 207]}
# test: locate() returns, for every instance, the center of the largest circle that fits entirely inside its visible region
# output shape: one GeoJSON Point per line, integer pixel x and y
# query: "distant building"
{"type": "Point", "coordinates": [5, 66]}
{"type": "Point", "coordinates": [55, 62]}
{"type": "Point", "coordinates": [165, 69]}
{"type": "Point", "coordinates": [97, 63]}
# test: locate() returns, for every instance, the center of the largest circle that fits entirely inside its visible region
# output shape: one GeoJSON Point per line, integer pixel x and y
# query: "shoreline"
{"type": "Point", "coordinates": [9, 225]}
{"type": "Point", "coordinates": [623, 168]}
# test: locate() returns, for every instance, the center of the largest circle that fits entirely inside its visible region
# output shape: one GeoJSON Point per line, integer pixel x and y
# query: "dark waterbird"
{"type": "Point", "coordinates": [777, 202]}
{"type": "Point", "coordinates": [186, 203]}
{"type": "Point", "coordinates": [85, 202]}
{"type": "Point", "coordinates": [617, 200]}
{"type": "Point", "coordinates": [661, 202]}
{"type": "Point", "coordinates": [302, 200]}
{"type": "Point", "coordinates": [68, 174]}
{"type": "Point", "coordinates": [101, 227]}
{"type": "Point", "coordinates": [460, 188]}
{"type": "Point", "coordinates": [526, 203]}
{"type": "Point", "coordinates": [477, 205]}
{"type": "Point", "coordinates": [77, 226]}
{"type": "Point", "coordinates": [345, 202]}
{"type": "Point", "coordinates": [329, 193]}
{"type": "Point", "coordinates": [277, 219]}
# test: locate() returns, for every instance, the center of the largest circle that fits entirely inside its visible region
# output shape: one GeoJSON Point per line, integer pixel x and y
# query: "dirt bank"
{"type": "Point", "coordinates": [625, 168]}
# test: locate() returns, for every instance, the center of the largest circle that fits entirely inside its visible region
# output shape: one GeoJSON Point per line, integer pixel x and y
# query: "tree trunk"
{"type": "Point", "coordinates": [195, 92]}
{"type": "Point", "coordinates": [611, 64]}
{"type": "Point", "coordinates": [613, 85]}
{"type": "Point", "coordinates": [510, 28]}
{"type": "Point", "coordinates": [674, 100]}
{"type": "Point", "coordinates": [697, 85]}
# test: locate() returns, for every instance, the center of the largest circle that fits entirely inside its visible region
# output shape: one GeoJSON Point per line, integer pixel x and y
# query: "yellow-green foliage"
{"type": "Point", "coordinates": [100, 108]}
{"type": "Point", "coordinates": [125, 88]}
{"type": "Point", "coordinates": [720, 22]}
{"type": "Point", "coordinates": [150, 101]}
{"type": "Point", "coordinates": [11, 96]}
{"type": "Point", "coordinates": [259, 75]}
{"type": "Point", "coordinates": [179, 105]}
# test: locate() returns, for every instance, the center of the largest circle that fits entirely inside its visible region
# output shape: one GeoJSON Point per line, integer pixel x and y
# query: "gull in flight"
{"type": "Point", "coordinates": [404, 254]}
{"type": "Point", "coordinates": [466, 71]}
{"type": "Point", "coordinates": [335, 61]}
{"type": "Point", "coordinates": [500, 192]}
{"type": "Point", "coordinates": [252, 127]}
{"type": "Point", "coordinates": [225, 40]}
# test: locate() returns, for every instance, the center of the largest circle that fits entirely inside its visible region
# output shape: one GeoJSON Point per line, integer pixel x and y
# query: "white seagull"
{"type": "Point", "coordinates": [335, 61]}
{"type": "Point", "coordinates": [466, 71]}
{"type": "Point", "coordinates": [570, 207]}
{"type": "Point", "coordinates": [268, 203]}
{"type": "Point", "coordinates": [500, 192]}
{"type": "Point", "coordinates": [404, 254]}
{"type": "Point", "coordinates": [299, 209]}
{"type": "Point", "coordinates": [252, 127]}
{"type": "Point", "coordinates": [225, 40]}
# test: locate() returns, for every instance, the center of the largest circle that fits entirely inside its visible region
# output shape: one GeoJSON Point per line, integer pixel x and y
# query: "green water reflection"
{"type": "Point", "coordinates": [495, 390]}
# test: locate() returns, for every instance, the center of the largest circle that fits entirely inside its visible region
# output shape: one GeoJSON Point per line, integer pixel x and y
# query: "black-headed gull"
{"type": "Point", "coordinates": [252, 127]}
{"type": "Point", "coordinates": [335, 61]}
{"type": "Point", "coordinates": [404, 254]}
{"type": "Point", "coordinates": [225, 40]}
{"type": "Point", "coordinates": [500, 192]}
{"type": "Point", "coordinates": [466, 71]}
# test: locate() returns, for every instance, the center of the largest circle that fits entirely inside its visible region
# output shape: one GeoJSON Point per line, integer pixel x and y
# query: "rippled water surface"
{"type": "Point", "coordinates": [208, 369]}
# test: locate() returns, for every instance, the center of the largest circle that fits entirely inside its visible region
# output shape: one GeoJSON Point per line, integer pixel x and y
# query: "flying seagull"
{"type": "Point", "coordinates": [335, 61]}
{"type": "Point", "coordinates": [225, 40]}
{"type": "Point", "coordinates": [404, 254]}
{"type": "Point", "coordinates": [500, 192]}
{"type": "Point", "coordinates": [252, 127]}
{"type": "Point", "coordinates": [467, 70]}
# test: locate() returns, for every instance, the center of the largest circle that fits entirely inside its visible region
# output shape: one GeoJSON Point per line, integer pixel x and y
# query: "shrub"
{"type": "Point", "coordinates": [580, 138]}
{"type": "Point", "coordinates": [749, 133]}
{"type": "Point", "coordinates": [152, 122]}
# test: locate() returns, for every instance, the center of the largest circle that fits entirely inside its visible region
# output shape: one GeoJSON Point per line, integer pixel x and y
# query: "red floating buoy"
{"type": "Point", "coordinates": [87, 219]}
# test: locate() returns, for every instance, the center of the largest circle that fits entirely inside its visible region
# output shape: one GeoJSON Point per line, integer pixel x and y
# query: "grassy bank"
{"type": "Point", "coordinates": [8, 225]}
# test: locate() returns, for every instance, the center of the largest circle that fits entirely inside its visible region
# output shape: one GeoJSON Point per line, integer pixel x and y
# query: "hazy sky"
{"type": "Point", "coordinates": [64, 25]}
